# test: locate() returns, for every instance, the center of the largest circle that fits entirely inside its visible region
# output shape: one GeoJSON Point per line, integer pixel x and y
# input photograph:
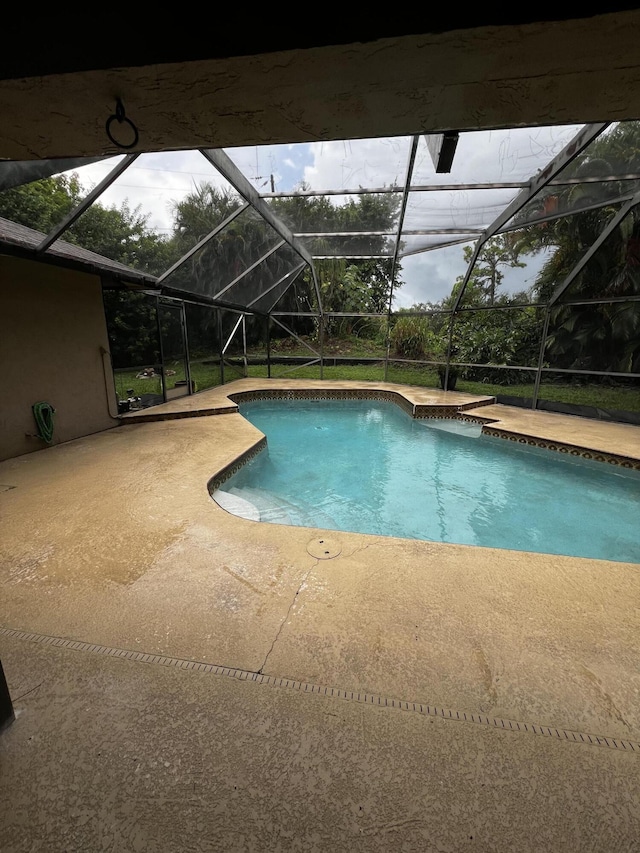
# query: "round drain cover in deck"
{"type": "Point", "coordinates": [324, 548]}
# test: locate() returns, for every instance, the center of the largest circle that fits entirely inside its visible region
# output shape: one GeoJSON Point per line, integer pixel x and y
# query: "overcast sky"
{"type": "Point", "coordinates": [156, 181]}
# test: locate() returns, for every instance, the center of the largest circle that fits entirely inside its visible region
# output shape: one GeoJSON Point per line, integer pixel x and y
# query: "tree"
{"type": "Point", "coordinates": [596, 334]}
{"type": "Point", "coordinates": [120, 234]}
{"type": "Point", "coordinates": [376, 272]}
{"type": "Point", "coordinates": [499, 335]}
{"type": "Point", "coordinates": [41, 205]}
{"type": "Point", "coordinates": [200, 212]}
{"type": "Point", "coordinates": [498, 253]}
{"type": "Point", "coordinates": [357, 285]}
{"type": "Point", "coordinates": [602, 335]}
{"type": "Point", "coordinates": [222, 267]}
{"type": "Point", "coordinates": [133, 330]}
{"type": "Point", "coordinates": [346, 285]}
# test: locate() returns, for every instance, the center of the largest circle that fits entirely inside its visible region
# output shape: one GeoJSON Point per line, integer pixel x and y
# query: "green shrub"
{"type": "Point", "coordinates": [371, 329]}
{"type": "Point", "coordinates": [411, 337]}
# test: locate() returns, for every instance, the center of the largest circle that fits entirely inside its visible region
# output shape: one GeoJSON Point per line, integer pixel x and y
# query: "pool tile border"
{"type": "Point", "coordinates": [416, 410]}
{"type": "Point", "coordinates": [561, 447]}
{"type": "Point", "coordinates": [239, 462]}
{"type": "Point", "coordinates": [325, 394]}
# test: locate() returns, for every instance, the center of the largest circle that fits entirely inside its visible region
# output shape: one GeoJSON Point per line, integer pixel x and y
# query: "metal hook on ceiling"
{"type": "Point", "coordinates": [121, 118]}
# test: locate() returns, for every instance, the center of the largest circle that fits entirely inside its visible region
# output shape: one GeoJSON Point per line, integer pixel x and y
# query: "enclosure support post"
{"type": "Point", "coordinates": [387, 347]}
{"type": "Point", "coordinates": [187, 354]}
{"type": "Point", "coordinates": [221, 347]}
{"type": "Point", "coordinates": [268, 346]}
{"type": "Point", "coordinates": [449, 346]}
{"type": "Point", "coordinates": [543, 345]}
{"type": "Point", "coordinates": [316, 285]}
{"type": "Point", "coordinates": [244, 344]}
{"type": "Point", "coordinates": [159, 324]}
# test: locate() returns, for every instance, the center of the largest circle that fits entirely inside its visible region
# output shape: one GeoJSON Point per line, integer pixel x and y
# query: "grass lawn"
{"type": "Point", "coordinates": [205, 375]}
{"type": "Point", "coordinates": [601, 396]}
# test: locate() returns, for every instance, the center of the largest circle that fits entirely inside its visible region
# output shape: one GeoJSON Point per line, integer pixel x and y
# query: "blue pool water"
{"type": "Point", "coordinates": [369, 467]}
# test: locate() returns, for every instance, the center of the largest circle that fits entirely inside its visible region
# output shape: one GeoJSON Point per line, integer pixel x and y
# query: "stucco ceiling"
{"type": "Point", "coordinates": [248, 81]}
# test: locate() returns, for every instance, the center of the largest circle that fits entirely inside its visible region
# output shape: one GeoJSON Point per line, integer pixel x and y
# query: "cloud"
{"type": "Point", "coordinates": [282, 164]}
{"type": "Point", "coordinates": [154, 183]}
{"type": "Point", "coordinates": [429, 277]}
{"type": "Point", "coordinates": [358, 163]}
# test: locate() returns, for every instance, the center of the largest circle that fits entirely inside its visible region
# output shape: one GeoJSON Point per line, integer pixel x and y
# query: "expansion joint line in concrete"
{"type": "Point", "coordinates": [359, 697]}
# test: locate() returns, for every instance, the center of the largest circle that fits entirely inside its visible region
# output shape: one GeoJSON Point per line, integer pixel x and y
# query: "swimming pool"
{"type": "Point", "coordinates": [367, 466]}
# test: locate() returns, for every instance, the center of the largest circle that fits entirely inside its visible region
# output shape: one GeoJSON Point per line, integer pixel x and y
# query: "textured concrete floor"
{"type": "Point", "coordinates": [113, 541]}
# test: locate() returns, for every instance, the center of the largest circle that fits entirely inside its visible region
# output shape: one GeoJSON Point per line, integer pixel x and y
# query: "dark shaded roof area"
{"type": "Point", "coordinates": [26, 241]}
{"type": "Point", "coordinates": [73, 49]}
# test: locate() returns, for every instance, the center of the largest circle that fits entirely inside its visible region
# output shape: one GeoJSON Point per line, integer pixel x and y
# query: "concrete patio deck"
{"type": "Point", "coordinates": [188, 680]}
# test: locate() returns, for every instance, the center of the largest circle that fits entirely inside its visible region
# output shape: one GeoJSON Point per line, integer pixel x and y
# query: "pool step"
{"type": "Point", "coordinates": [236, 505]}
{"type": "Point", "coordinates": [457, 427]}
{"type": "Point", "coordinates": [270, 508]}
{"type": "Point", "coordinates": [275, 510]}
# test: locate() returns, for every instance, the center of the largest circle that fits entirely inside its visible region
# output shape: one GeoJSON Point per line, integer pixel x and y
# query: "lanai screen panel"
{"type": "Point", "coordinates": [606, 171]}
{"type": "Point", "coordinates": [299, 297]}
{"type": "Point", "coordinates": [551, 250]}
{"type": "Point", "coordinates": [43, 204]}
{"type": "Point", "coordinates": [178, 197]}
{"type": "Point", "coordinates": [497, 156]}
{"type": "Point", "coordinates": [152, 209]}
{"type": "Point", "coordinates": [261, 286]}
{"type": "Point", "coordinates": [220, 266]}
{"type": "Point", "coordinates": [612, 271]}
{"type": "Point", "coordinates": [319, 167]}
{"type": "Point", "coordinates": [412, 245]}
{"type": "Point", "coordinates": [488, 172]}
{"type": "Point", "coordinates": [594, 322]}
{"type": "Point", "coordinates": [429, 276]}
{"type": "Point", "coordinates": [282, 289]}
{"type": "Point", "coordinates": [340, 199]}
{"type": "Point", "coordinates": [460, 210]}
{"type": "Point", "coordinates": [356, 246]}
{"type": "Point", "coordinates": [377, 213]}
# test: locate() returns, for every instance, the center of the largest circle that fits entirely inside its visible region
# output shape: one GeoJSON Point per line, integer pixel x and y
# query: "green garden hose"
{"type": "Point", "coordinates": [43, 413]}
